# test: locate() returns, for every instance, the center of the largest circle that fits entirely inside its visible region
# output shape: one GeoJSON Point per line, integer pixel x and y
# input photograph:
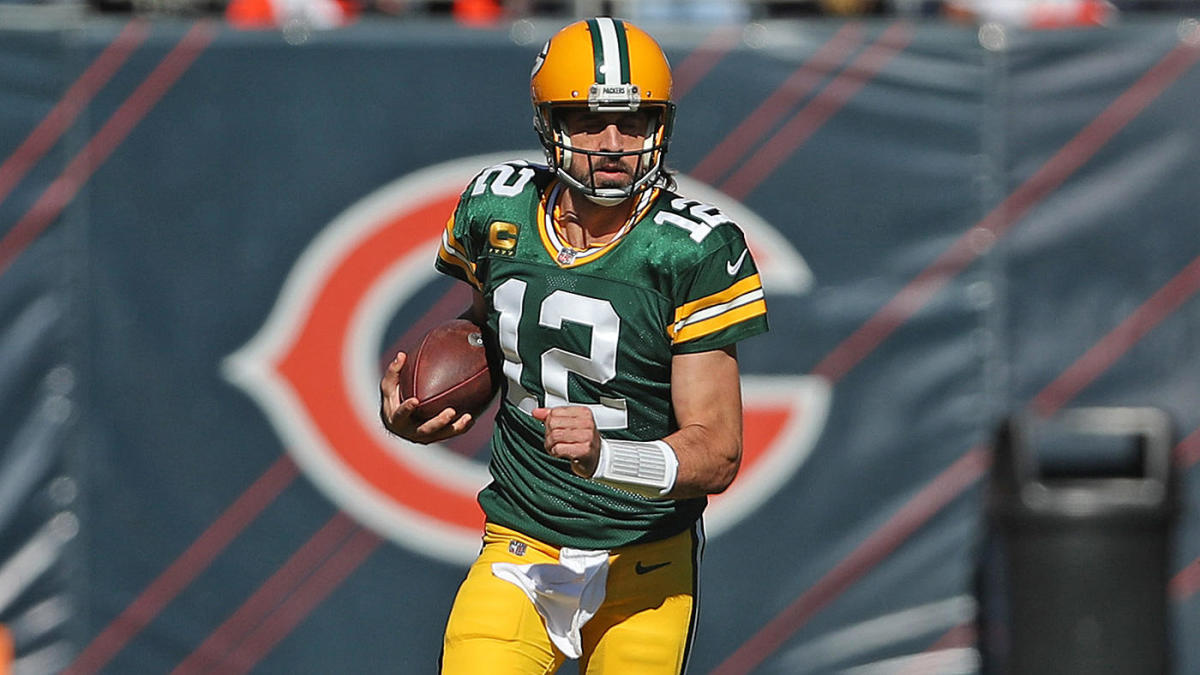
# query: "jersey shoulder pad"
{"type": "Point", "coordinates": [715, 287]}
{"type": "Point", "coordinates": [506, 180]}
{"type": "Point", "coordinates": [499, 192]}
{"type": "Point", "coordinates": [699, 227]}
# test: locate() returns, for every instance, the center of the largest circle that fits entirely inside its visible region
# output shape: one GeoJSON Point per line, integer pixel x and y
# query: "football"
{"type": "Point", "coordinates": [449, 368]}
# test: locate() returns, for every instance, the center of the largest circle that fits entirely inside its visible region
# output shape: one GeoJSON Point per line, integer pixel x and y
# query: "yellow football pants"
{"type": "Point", "coordinates": [644, 626]}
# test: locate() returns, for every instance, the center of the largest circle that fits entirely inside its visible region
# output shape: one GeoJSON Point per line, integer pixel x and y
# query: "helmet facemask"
{"type": "Point", "coordinates": [560, 153]}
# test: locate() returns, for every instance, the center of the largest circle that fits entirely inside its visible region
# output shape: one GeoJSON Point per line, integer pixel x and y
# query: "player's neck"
{"type": "Point", "coordinates": [585, 223]}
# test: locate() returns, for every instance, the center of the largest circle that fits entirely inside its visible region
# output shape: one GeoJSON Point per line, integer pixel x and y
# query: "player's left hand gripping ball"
{"type": "Point", "coordinates": [448, 369]}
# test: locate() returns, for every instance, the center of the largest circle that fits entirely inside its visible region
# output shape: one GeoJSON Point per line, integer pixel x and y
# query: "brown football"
{"type": "Point", "coordinates": [448, 368]}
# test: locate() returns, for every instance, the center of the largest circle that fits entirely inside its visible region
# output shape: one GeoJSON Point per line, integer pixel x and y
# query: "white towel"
{"type": "Point", "coordinates": [566, 594]}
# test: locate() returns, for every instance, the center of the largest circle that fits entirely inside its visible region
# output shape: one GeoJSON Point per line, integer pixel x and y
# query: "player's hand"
{"type": "Point", "coordinates": [571, 434]}
{"type": "Point", "coordinates": [396, 413]}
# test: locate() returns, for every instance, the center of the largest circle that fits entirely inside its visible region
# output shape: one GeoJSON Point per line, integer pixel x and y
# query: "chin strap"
{"type": "Point", "coordinates": [604, 201]}
{"type": "Point", "coordinates": [646, 468]}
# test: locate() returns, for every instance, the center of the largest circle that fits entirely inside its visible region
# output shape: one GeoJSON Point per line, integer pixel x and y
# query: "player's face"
{"type": "Point", "coordinates": [606, 132]}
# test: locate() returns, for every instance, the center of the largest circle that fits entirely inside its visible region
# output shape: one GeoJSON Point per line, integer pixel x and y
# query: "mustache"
{"type": "Point", "coordinates": [608, 165]}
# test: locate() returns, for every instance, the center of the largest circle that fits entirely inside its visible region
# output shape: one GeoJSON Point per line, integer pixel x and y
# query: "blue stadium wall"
{"type": "Point", "coordinates": [212, 238]}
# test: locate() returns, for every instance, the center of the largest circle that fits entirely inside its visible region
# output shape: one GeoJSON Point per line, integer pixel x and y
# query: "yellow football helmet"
{"type": "Point", "coordinates": [605, 65]}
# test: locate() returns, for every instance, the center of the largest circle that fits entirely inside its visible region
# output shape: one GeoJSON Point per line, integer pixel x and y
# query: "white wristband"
{"type": "Point", "coordinates": [646, 468]}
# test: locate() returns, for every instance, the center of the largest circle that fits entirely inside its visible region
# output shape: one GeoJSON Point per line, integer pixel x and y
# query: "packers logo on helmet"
{"type": "Point", "coordinates": [603, 65]}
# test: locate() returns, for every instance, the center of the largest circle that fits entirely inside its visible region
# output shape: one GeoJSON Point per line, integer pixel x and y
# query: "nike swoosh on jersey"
{"type": "Point", "coordinates": [733, 268]}
{"type": "Point", "coordinates": [643, 569]}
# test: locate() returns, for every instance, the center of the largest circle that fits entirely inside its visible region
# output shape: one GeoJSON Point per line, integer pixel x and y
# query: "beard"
{"type": "Point", "coordinates": [625, 180]}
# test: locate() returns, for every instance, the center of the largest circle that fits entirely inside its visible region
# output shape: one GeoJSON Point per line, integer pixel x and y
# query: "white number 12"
{"type": "Point", "coordinates": [599, 365]}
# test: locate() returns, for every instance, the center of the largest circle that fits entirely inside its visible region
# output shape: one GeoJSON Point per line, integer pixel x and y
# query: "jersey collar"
{"type": "Point", "coordinates": [564, 254]}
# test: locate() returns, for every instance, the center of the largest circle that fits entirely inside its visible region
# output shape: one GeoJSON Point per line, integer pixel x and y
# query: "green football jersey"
{"type": "Point", "coordinates": [597, 328]}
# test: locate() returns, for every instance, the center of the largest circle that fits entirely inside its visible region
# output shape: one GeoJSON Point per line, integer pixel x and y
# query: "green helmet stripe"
{"type": "Point", "coordinates": [610, 50]}
{"type": "Point", "coordinates": [597, 48]}
{"type": "Point", "coordinates": [623, 48]}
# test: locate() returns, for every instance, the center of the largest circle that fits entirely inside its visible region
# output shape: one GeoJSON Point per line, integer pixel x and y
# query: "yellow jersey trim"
{"type": "Point", "coordinates": [740, 301]}
{"type": "Point", "coordinates": [453, 253]}
{"type": "Point", "coordinates": [564, 254]}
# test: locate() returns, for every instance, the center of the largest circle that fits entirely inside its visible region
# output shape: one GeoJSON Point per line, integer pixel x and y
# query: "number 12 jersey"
{"type": "Point", "coordinates": [593, 327]}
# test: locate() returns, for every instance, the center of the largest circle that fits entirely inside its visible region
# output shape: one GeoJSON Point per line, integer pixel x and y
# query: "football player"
{"type": "Point", "coordinates": [613, 306]}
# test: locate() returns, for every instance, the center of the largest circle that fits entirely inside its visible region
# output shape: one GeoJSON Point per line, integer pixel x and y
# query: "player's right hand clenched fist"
{"type": "Point", "coordinates": [571, 434]}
